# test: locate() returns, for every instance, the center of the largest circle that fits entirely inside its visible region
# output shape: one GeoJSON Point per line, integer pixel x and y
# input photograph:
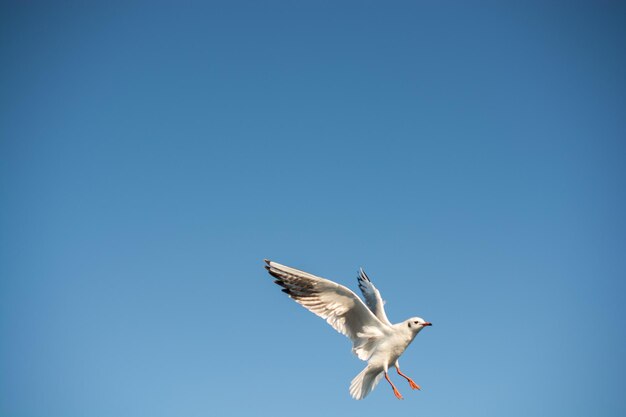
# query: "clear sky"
{"type": "Point", "coordinates": [469, 155]}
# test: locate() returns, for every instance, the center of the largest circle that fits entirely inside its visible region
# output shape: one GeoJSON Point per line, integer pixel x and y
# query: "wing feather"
{"type": "Point", "coordinates": [372, 296]}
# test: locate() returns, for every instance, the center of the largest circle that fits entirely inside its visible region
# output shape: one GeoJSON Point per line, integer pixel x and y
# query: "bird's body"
{"type": "Point", "coordinates": [390, 348]}
{"type": "Point", "coordinates": [374, 338]}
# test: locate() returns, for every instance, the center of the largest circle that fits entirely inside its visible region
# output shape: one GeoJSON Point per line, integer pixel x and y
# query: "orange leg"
{"type": "Point", "coordinates": [395, 391]}
{"type": "Point", "coordinates": [411, 383]}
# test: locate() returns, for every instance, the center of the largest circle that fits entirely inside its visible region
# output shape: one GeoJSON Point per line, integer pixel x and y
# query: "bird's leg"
{"type": "Point", "coordinates": [395, 391]}
{"type": "Point", "coordinates": [411, 382]}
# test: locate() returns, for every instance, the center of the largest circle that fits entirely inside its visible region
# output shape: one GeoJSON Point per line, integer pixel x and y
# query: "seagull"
{"type": "Point", "coordinates": [374, 339]}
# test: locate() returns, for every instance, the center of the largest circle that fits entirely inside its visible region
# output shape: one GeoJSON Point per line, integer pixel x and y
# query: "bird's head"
{"type": "Point", "coordinates": [415, 324]}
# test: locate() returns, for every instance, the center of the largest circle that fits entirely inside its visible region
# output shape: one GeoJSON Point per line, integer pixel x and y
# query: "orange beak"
{"type": "Point", "coordinates": [428, 324]}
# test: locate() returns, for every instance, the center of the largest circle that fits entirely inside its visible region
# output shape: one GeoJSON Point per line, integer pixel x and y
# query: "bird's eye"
{"type": "Point", "coordinates": [414, 322]}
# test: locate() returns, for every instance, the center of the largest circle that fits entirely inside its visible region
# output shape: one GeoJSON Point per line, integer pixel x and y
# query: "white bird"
{"type": "Point", "coordinates": [374, 338]}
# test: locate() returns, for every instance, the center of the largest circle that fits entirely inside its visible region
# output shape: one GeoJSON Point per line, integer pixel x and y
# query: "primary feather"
{"type": "Point", "coordinates": [372, 297]}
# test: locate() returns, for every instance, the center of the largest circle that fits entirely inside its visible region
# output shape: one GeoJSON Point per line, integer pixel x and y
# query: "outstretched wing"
{"type": "Point", "coordinates": [336, 304]}
{"type": "Point", "coordinates": [372, 297]}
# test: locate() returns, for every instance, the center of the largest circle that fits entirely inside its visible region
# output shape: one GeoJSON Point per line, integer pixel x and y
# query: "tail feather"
{"type": "Point", "coordinates": [365, 381]}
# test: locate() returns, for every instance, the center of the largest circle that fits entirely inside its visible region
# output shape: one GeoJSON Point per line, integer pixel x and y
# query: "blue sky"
{"type": "Point", "coordinates": [470, 156]}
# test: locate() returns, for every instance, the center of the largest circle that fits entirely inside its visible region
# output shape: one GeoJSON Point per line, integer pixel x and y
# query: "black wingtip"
{"type": "Point", "coordinates": [281, 283]}
{"type": "Point", "coordinates": [267, 261]}
{"type": "Point", "coordinates": [273, 273]}
{"type": "Point", "coordinates": [362, 275]}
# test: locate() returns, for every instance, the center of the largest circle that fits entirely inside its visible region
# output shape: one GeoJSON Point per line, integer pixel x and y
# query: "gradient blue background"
{"type": "Point", "coordinates": [470, 156]}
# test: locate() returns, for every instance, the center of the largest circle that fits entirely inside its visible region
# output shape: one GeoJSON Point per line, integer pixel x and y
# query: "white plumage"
{"type": "Point", "coordinates": [374, 338]}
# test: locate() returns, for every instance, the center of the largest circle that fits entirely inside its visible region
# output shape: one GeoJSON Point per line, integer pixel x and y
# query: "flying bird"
{"type": "Point", "coordinates": [374, 338]}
